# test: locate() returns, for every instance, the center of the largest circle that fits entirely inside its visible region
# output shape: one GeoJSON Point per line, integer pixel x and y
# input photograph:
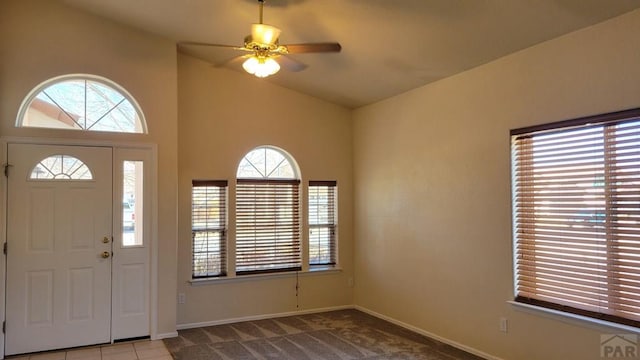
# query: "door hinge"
{"type": "Point", "coordinates": [6, 169]}
{"type": "Point", "coordinates": [4, 327]}
{"type": "Point", "coordinates": [4, 248]}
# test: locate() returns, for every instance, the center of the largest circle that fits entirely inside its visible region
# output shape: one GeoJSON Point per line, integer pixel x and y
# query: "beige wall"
{"type": "Point", "coordinates": [432, 179]}
{"type": "Point", "coordinates": [223, 115]}
{"type": "Point", "coordinates": [41, 39]}
{"type": "Point", "coordinates": [427, 179]}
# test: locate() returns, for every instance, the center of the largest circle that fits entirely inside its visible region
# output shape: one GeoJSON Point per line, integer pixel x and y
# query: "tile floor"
{"type": "Point", "coordinates": [146, 349]}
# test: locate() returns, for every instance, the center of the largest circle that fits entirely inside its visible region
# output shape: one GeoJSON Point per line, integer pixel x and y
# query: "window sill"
{"type": "Point", "coordinates": [325, 270]}
{"type": "Point", "coordinates": [573, 319]}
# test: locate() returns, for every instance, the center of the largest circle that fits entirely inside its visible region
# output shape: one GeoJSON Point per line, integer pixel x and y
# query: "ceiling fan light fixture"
{"type": "Point", "coordinates": [265, 34]}
{"type": "Point", "coordinates": [262, 47]}
{"type": "Point", "coordinates": [261, 66]}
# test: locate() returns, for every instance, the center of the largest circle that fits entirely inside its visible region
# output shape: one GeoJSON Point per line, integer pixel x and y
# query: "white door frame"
{"type": "Point", "coordinates": [153, 183]}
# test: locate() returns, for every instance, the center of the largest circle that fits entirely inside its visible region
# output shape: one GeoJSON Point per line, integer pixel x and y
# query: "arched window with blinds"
{"type": "Point", "coordinates": [267, 213]}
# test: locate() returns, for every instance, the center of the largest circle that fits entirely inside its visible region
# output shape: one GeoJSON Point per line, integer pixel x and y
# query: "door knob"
{"type": "Point", "coordinates": [105, 254]}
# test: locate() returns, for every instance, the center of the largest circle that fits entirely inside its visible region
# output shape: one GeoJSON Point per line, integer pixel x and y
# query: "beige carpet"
{"type": "Point", "coordinates": [335, 335]}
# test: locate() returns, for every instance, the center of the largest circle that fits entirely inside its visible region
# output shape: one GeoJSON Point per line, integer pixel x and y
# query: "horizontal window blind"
{"type": "Point", "coordinates": [267, 226]}
{"type": "Point", "coordinates": [208, 228]}
{"type": "Point", "coordinates": [577, 218]}
{"type": "Point", "coordinates": [322, 223]}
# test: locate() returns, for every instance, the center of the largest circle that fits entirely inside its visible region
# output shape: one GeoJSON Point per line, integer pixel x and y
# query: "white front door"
{"type": "Point", "coordinates": [59, 224]}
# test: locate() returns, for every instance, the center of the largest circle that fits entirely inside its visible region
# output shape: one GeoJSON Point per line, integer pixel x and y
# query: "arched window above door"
{"type": "Point", "coordinates": [81, 102]}
{"type": "Point", "coordinates": [61, 167]}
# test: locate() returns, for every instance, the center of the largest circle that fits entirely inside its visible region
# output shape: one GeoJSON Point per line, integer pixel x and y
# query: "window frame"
{"type": "Point", "coordinates": [331, 187]}
{"type": "Point", "coordinates": [283, 224]}
{"type": "Point", "coordinates": [222, 253]}
{"type": "Point", "coordinates": [31, 96]}
{"type": "Point", "coordinates": [42, 168]}
{"type": "Point", "coordinates": [607, 121]}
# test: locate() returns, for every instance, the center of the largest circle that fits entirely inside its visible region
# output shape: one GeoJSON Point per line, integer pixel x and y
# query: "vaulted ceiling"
{"type": "Point", "coordinates": [388, 46]}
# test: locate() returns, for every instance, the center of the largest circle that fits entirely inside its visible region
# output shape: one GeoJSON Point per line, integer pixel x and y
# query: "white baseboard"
{"type": "Point", "coordinates": [260, 317]}
{"type": "Point", "coordinates": [428, 334]}
{"type": "Point", "coordinates": [165, 335]}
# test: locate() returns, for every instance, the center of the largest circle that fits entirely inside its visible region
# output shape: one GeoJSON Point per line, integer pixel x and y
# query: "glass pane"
{"type": "Point", "coordinates": [247, 169]}
{"type": "Point", "coordinates": [61, 167]}
{"type": "Point", "coordinates": [319, 210]}
{"type": "Point", "coordinates": [320, 245]}
{"type": "Point", "coordinates": [132, 201]}
{"type": "Point", "coordinates": [207, 253]}
{"type": "Point", "coordinates": [265, 163]}
{"type": "Point", "coordinates": [69, 97]}
{"type": "Point", "coordinates": [82, 104]}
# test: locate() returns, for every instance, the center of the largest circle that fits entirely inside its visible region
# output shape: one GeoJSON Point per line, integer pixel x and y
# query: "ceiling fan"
{"type": "Point", "coordinates": [265, 55]}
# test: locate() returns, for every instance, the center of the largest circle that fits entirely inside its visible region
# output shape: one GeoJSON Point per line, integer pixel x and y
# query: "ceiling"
{"type": "Point", "coordinates": [388, 46]}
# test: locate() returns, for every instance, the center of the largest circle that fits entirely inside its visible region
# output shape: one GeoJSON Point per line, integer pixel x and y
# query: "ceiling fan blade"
{"type": "Point", "coordinates": [313, 48]}
{"type": "Point", "coordinates": [265, 34]}
{"type": "Point", "coordinates": [290, 64]}
{"type": "Point", "coordinates": [196, 43]}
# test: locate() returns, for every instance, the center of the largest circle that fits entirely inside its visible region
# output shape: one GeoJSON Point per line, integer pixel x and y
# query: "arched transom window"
{"type": "Point", "coordinates": [267, 212]}
{"type": "Point", "coordinates": [81, 102]}
{"type": "Point", "coordinates": [266, 163]}
{"type": "Point", "coordinates": [61, 167]}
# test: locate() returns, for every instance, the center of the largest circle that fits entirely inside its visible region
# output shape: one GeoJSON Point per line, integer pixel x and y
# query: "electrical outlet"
{"type": "Point", "coordinates": [182, 298]}
{"type": "Point", "coordinates": [504, 324]}
{"type": "Point", "coordinates": [350, 282]}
